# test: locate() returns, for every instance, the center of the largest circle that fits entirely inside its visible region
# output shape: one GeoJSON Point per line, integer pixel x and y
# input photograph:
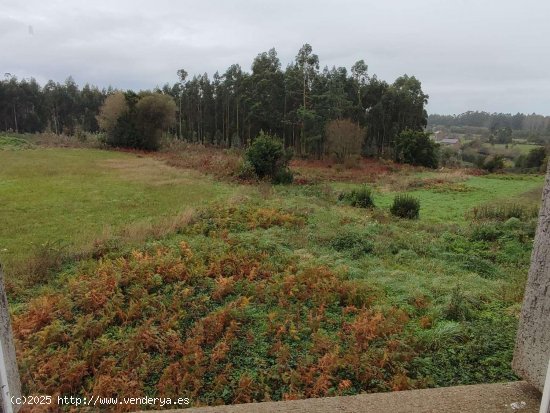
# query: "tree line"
{"type": "Point", "coordinates": [533, 123]}
{"type": "Point", "coordinates": [63, 108]}
{"type": "Point", "coordinates": [231, 108]}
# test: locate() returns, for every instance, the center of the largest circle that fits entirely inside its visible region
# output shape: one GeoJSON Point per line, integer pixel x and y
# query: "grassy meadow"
{"type": "Point", "coordinates": [66, 198]}
{"type": "Point", "coordinates": [201, 287]}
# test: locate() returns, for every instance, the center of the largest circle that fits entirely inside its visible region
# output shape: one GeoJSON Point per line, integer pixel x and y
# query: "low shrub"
{"type": "Point", "coordinates": [405, 206]}
{"type": "Point", "coordinates": [535, 159]}
{"type": "Point", "coordinates": [360, 198]}
{"type": "Point", "coordinates": [46, 258]}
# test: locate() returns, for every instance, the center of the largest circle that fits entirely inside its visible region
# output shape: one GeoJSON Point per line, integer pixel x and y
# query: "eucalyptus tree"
{"type": "Point", "coordinates": [411, 102]}
{"type": "Point", "coordinates": [217, 91]}
{"type": "Point", "coordinates": [207, 109]}
{"type": "Point", "coordinates": [265, 94]}
{"type": "Point", "coordinates": [291, 104]}
{"type": "Point", "coordinates": [10, 97]}
{"type": "Point", "coordinates": [330, 101]}
{"type": "Point", "coordinates": [360, 78]}
{"type": "Point", "coordinates": [308, 65]}
{"type": "Point", "coordinates": [182, 75]}
{"type": "Point", "coordinates": [234, 80]}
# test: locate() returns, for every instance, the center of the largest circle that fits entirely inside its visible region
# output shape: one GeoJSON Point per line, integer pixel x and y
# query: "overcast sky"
{"type": "Point", "coordinates": [491, 55]}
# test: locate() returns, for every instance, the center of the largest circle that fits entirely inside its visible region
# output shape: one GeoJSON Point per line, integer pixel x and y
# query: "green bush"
{"type": "Point", "coordinates": [11, 142]}
{"type": "Point", "coordinates": [535, 159]}
{"type": "Point", "coordinates": [360, 198]}
{"type": "Point", "coordinates": [416, 148]}
{"type": "Point", "coordinates": [449, 157]}
{"type": "Point", "coordinates": [405, 206]}
{"type": "Point", "coordinates": [269, 158]}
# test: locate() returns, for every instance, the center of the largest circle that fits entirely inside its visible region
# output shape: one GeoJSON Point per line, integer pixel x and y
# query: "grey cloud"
{"type": "Point", "coordinates": [489, 55]}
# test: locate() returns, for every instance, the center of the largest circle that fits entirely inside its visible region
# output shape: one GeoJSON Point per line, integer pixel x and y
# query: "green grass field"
{"type": "Point", "coordinates": [450, 202]}
{"type": "Point", "coordinates": [523, 148]}
{"type": "Point", "coordinates": [264, 292]}
{"type": "Point", "coordinates": [70, 196]}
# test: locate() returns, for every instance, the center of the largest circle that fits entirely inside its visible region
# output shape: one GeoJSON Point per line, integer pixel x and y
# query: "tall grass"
{"type": "Point", "coordinates": [502, 211]}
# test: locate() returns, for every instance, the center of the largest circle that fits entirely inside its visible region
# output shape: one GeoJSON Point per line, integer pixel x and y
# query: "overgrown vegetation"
{"type": "Point", "coordinates": [227, 312]}
{"type": "Point", "coordinates": [270, 292]}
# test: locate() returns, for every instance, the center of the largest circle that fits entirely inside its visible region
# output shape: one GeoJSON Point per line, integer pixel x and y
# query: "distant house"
{"type": "Point", "coordinates": [449, 141]}
{"type": "Point", "coordinates": [442, 138]}
{"type": "Point", "coordinates": [438, 135]}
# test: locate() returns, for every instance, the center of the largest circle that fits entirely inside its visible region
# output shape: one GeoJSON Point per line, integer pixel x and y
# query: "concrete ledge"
{"type": "Point", "coordinates": [517, 397]}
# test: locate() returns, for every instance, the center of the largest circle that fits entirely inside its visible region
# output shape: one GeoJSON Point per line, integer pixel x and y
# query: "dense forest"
{"type": "Point", "coordinates": [232, 107]}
